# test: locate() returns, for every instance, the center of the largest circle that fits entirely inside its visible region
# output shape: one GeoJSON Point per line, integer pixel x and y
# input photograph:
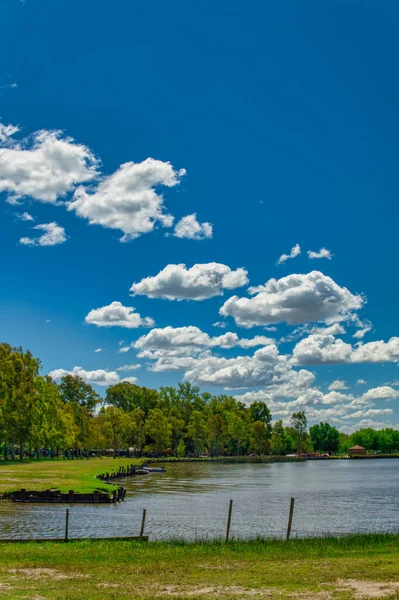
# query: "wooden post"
{"type": "Point", "coordinates": [66, 524]}
{"type": "Point", "coordinates": [290, 518]}
{"type": "Point", "coordinates": [143, 522]}
{"type": "Point", "coordinates": [229, 520]}
{"type": "Point", "coordinates": [71, 496]}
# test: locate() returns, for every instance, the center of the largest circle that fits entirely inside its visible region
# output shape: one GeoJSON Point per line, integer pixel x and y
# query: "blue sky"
{"type": "Point", "coordinates": [268, 125]}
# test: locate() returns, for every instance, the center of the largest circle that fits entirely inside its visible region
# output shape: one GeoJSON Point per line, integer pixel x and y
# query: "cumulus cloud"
{"type": "Point", "coordinates": [322, 253]}
{"type": "Point", "coordinates": [117, 315]}
{"type": "Point", "coordinates": [189, 341]}
{"type": "Point", "coordinates": [338, 384]}
{"type": "Point", "coordinates": [97, 377]}
{"type": "Point", "coordinates": [361, 382]}
{"type": "Point", "coordinates": [25, 216]}
{"type": "Point", "coordinates": [127, 200]}
{"type": "Point", "coordinates": [53, 235]}
{"type": "Point", "coordinates": [99, 350]}
{"type": "Point", "coordinates": [293, 299]}
{"type": "Point", "coordinates": [129, 367]}
{"type": "Point", "coordinates": [295, 251]}
{"type": "Point", "coordinates": [176, 282]}
{"type": "Point", "coordinates": [45, 166]}
{"type": "Point", "coordinates": [384, 392]}
{"type": "Point", "coordinates": [188, 227]}
{"type": "Point", "coordinates": [365, 328]}
{"type": "Point", "coordinates": [221, 324]}
{"type": "Point", "coordinates": [132, 380]}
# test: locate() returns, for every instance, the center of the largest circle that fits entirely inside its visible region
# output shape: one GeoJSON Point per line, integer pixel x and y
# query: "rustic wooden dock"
{"type": "Point", "coordinates": [71, 497]}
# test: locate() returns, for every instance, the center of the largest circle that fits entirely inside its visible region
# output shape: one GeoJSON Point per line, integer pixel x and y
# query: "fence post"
{"type": "Point", "coordinates": [290, 518]}
{"type": "Point", "coordinates": [229, 520]}
{"type": "Point", "coordinates": [143, 522]}
{"type": "Point", "coordinates": [66, 524]}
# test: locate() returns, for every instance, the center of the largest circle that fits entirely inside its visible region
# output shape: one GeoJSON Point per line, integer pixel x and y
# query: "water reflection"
{"type": "Point", "coordinates": [191, 501]}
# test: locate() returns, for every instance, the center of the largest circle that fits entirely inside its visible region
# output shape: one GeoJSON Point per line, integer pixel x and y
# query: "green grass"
{"type": "Point", "coordinates": [362, 566]}
{"type": "Point", "coordinates": [60, 474]}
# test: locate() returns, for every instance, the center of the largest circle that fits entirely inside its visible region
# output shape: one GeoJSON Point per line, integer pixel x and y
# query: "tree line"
{"type": "Point", "coordinates": [40, 417]}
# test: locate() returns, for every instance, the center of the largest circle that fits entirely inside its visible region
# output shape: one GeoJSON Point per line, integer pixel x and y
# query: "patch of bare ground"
{"type": "Point", "coordinates": [212, 591]}
{"type": "Point", "coordinates": [40, 573]}
{"type": "Point", "coordinates": [369, 589]}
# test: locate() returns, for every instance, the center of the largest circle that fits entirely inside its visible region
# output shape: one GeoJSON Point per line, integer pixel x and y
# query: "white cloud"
{"type": "Point", "coordinates": [129, 367]}
{"type": "Point", "coordinates": [318, 349]}
{"type": "Point", "coordinates": [322, 253]}
{"type": "Point", "coordinates": [190, 340]}
{"type": "Point", "coordinates": [132, 380]}
{"type": "Point", "coordinates": [99, 350]}
{"type": "Point", "coordinates": [25, 217]}
{"type": "Point", "coordinates": [53, 235]}
{"type": "Point", "coordinates": [7, 131]}
{"type": "Point", "coordinates": [220, 324]}
{"type": "Point", "coordinates": [384, 392]}
{"type": "Point", "coordinates": [117, 315]}
{"type": "Point", "coordinates": [360, 333]}
{"type": "Point", "coordinates": [45, 166]}
{"type": "Point", "coordinates": [338, 384]}
{"type": "Point", "coordinates": [326, 349]}
{"type": "Point", "coordinates": [295, 251]}
{"type": "Point", "coordinates": [176, 282]}
{"type": "Point", "coordinates": [293, 299]}
{"type": "Point", "coordinates": [98, 377]}
{"type": "Point", "coordinates": [361, 382]}
{"type": "Point", "coordinates": [127, 200]}
{"type": "Point", "coordinates": [188, 227]}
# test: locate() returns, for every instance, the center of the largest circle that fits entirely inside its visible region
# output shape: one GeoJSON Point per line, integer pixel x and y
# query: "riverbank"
{"type": "Point", "coordinates": [361, 566]}
{"type": "Point", "coordinates": [64, 475]}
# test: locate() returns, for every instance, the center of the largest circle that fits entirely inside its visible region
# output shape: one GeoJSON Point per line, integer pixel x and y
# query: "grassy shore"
{"type": "Point", "coordinates": [362, 566]}
{"type": "Point", "coordinates": [60, 474]}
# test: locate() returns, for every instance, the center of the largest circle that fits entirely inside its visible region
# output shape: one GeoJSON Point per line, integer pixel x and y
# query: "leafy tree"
{"type": "Point", "coordinates": [197, 431]}
{"type": "Point", "coordinates": [237, 430]}
{"type": "Point", "coordinates": [300, 426]}
{"type": "Point", "coordinates": [216, 429]}
{"type": "Point", "coordinates": [260, 437]}
{"type": "Point", "coordinates": [158, 428]}
{"type": "Point", "coordinates": [116, 427]}
{"type": "Point", "coordinates": [260, 412]}
{"type": "Point", "coordinates": [181, 449]}
{"type": "Point", "coordinates": [278, 439]}
{"type": "Point", "coordinates": [74, 389]}
{"type": "Point", "coordinates": [325, 438]}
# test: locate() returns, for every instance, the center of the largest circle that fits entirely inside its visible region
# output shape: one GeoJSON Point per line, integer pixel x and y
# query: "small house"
{"type": "Point", "coordinates": [357, 451]}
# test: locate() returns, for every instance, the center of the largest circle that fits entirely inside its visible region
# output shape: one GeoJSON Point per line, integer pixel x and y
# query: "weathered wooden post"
{"type": "Point", "coordinates": [229, 520]}
{"type": "Point", "coordinates": [66, 524]}
{"type": "Point", "coordinates": [290, 518]}
{"type": "Point", "coordinates": [143, 522]}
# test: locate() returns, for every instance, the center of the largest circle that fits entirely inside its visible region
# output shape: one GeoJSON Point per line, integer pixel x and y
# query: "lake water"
{"type": "Point", "coordinates": [191, 501]}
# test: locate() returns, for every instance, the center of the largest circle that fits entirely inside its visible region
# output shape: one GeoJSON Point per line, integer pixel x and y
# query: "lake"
{"type": "Point", "coordinates": [191, 501]}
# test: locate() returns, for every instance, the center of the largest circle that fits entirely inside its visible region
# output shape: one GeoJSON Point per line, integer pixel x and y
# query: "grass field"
{"type": "Point", "coordinates": [60, 474]}
{"type": "Point", "coordinates": [331, 568]}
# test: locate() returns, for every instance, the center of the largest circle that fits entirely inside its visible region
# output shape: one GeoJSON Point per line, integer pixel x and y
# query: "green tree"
{"type": "Point", "coordinates": [278, 439]}
{"type": "Point", "coordinates": [181, 449]}
{"type": "Point", "coordinates": [300, 426]}
{"type": "Point", "coordinates": [325, 438]}
{"type": "Point", "coordinates": [216, 429]}
{"type": "Point", "coordinates": [237, 430]}
{"type": "Point", "coordinates": [260, 437]}
{"type": "Point", "coordinates": [260, 412]}
{"type": "Point", "coordinates": [116, 427]}
{"type": "Point", "coordinates": [158, 428]}
{"type": "Point", "coordinates": [197, 431]}
{"type": "Point", "coordinates": [75, 390]}
{"type": "Point", "coordinates": [18, 372]}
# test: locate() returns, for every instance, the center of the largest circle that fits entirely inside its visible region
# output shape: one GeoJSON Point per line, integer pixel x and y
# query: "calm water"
{"type": "Point", "coordinates": [191, 501]}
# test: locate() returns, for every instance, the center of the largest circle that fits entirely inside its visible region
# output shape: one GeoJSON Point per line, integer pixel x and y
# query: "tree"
{"type": "Point", "coordinates": [237, 430]}
{"type": "Point", "coordinates": [278, 439]}
{"type": "Point", "coordinates": [116, 427]}
{"type": "Point", "coordinates": [325, 438]}
{"type": "Point", "coordinates": [299, 424]}
{"type": "Point", "coordinates": [74, 389]}
{"type": "Point", "coordinates": [18, 372]}
{"type": "Point", "coordinates": [260, 412]}
{"type": "Point", "coordinates": [181, 449]}
{"type": "Point", "coordinates": [216, 429]}
{"type": "Point", "coordinates": [197, 431]}
{"type": "Point", "coordinates": [260, 437]}
{"type": "Point", "coordinates": [158, 428]}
